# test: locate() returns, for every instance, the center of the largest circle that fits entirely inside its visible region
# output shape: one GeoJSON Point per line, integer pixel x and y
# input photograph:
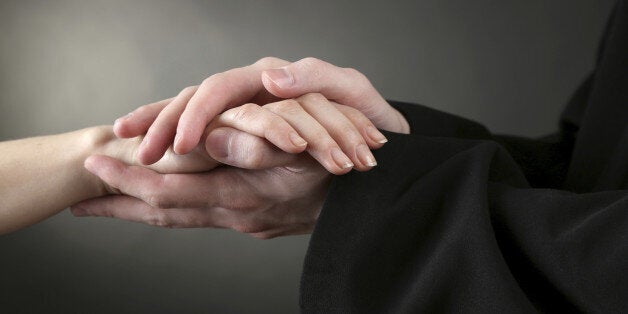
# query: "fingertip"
{"type": "Point", "coordinates": [146, 158]}
{"type": "Point", "coordinates": [183, 145]}
{"type": "Point", "coordinates": [376, 136]}
{"type": "Point", "coordinates": [338, 170]}
{"type": "Point", "coordinates": [300, 144]}
{"type": "Point", "coordinates": [145, 155]}
{"type": "Point", "coordinates": [217, 144]}
{"type": "Point", "coordinates": [188, 134]}
{"type": "Point", "coordinates": [272, 87]}
{"type": "Point", "coordinates": [91, 163]}
{"type": "Point", "coordinates": [121, 129]}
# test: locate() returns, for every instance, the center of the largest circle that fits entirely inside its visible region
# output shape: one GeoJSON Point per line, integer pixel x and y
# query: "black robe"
{"type": "Point", "coordinates": [455, 219]}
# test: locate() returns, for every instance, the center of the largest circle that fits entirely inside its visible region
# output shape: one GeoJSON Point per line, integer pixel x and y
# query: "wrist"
{"type": "Point", "coordinates": [98, 140]}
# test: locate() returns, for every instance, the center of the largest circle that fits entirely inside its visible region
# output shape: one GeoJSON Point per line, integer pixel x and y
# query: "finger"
{"type": "Point", "coordinates": [284, 231]}
{"type": "Point", "coordinates": [170, 190]}
{"type": "Point", "coordinates": [342, 85]}
{"type": "Point", "coordinates": [243, 150]}
{"type": "Point", "coordinates": [340, 128]}
{"type": "Point", "coordinates": [139, 120]}
{"type": "Point", "coordinates": [371, 135]}
{"type": "Point", "coordinates": [132, 209]}
{"type": "Point", "coordinates": [322, 145]}
{"type": "Point", "coordinates": [216, 94]}
{"type": "Point", "coordinates": [161, 133]}
{"type": "Point", "coordinates": [258, 121]}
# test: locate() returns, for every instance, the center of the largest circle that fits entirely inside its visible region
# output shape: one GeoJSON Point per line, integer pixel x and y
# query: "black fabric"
{"type": "Point", "coordinates": [457, 220]}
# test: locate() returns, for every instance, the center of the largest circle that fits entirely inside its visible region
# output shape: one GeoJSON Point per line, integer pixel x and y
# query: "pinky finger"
{"type": "Point", "coordinates": [373, 137]}
{"type": "Point", "coordinates": [135, 210]}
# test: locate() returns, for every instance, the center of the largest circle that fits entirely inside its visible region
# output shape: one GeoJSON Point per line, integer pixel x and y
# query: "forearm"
{"type": "Point", "coordinates": [43, 175]}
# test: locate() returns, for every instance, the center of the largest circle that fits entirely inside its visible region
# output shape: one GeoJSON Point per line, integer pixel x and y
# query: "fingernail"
{"type": "Point", "coordinates": [365, 155]}
{"type": "Point", "coordinates": [340, 158]}
{"type": "Point", "coordinates": [376, 135]}
{"type": "Point", "coordinates": [217, 143]}
{"type": "Point", "coordinates": [281, 77]}
{"type": "Point", "coordinates": [297, 140]}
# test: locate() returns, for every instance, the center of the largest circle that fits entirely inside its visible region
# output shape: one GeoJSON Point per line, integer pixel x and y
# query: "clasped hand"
{"type": "Point", "coordinates": [282, 128]}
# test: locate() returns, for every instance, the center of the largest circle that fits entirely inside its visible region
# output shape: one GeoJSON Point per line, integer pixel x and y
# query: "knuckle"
{"type": "Point", "coordinates": [362, 83]}
{"type": "Point", "coordinates": [188, 90]}
{"type": "Point", "coordinates": [349, 133]}
{"type": "Point", "coordinates": [212, 79]}
{"type": "Point", "coordinates": [217, 84]}
{"type": "Point", "coordinates": [268, 61]}
{"type": "Point", "coordinates": [355, 73]}
{"type": "Point", "coordinates": [159, 219]}
{"type": "Point", "coordinates": [143, 110]}
{"type": "Point", "coordinates": [315, 98]}
{"type": "Point", "coordinates": [312, 62]}
{"type": "Point", "coordinates": [325, 142]}
{"type": "Point", "coordinates": [289, 106]}
{"type": "Point", "coordinates": [244, 112]}
{"type": "Point", "coordinates": [254, 160]}
{"type": "Point", "coordinates": [250, 227]}
{"type": "Point", "coordinates": [159, 201]}
{"type": "Point", "coordinates": [315, 68]}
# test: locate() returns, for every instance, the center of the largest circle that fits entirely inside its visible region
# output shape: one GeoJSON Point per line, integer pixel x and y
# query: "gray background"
{"type": "Point", "coordinates": [71, 64]}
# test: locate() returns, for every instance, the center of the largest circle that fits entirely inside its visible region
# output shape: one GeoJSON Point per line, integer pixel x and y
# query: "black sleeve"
{"type": "Point", "coordinates": [451, 225]}
{"type": "Point", "coordinates": [543, 161]}
{"type": "Point", "coordinates": [453, 219]}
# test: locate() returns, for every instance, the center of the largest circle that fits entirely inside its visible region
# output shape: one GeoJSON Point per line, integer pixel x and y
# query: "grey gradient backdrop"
{"type": "Point", "coordinates": [69, 64]}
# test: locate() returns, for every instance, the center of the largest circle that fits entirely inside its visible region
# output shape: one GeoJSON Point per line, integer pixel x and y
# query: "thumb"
{"type": "Point", "coordinates": [243, 150]}
{"type": "Point", "coordinates": [342, 85]}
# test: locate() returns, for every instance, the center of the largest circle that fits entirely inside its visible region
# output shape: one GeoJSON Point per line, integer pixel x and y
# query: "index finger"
{"type": "Point", "coordinates": [216, 94]}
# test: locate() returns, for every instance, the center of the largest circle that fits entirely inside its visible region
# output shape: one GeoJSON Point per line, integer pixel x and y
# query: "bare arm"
{"type": "Point", "coordinates": [43, 175]}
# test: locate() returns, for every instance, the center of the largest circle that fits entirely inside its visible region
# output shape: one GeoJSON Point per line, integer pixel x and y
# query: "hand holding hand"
{"type": "Point", "coordinates": [188, 114]}
{"type": "Point", "coordinates": [266, 201]}
{"type": "Point", "coordinates": [280, 194]}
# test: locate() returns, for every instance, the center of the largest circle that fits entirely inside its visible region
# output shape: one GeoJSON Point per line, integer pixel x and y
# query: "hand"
{"type": "Point", "coordinates": [108, 144]}
{"type": "Point", "coordinates": [330, 131]}
{"type": "Point", "coordinates": [282, 195]}
{"type": "Point", "coordinates": [187, 115]}
{"type": "Point", "coordinates": [289, 205]}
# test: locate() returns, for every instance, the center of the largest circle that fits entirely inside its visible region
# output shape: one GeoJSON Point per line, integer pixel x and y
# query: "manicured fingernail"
{"type": "Point", "coordinates": [376, 135]}
{"type": "Point", "coordinates": [297, 140]}
{"type": "Point", "coordinates": [365, 155]}
{"type": "Point", "coordinates": [281, 77]}
{"type": "Point", "coordinates": [340, 158]}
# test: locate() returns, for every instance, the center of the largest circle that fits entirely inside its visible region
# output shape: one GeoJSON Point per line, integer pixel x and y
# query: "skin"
{"type": "Point", "coordinates": [180, 121]}
{"type": "Point", "coordinates": [37, 188]}
{"type": "Point", "coordinates": [34, 188]}
{"type": "Point", "coordinates": [263, 194]}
